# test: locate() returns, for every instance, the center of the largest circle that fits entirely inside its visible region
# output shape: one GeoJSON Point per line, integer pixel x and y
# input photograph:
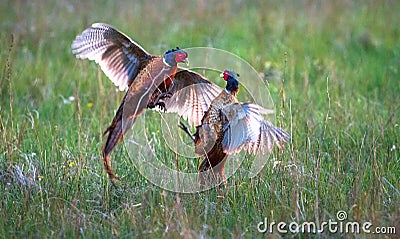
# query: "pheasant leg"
{"type": "Point", "coordinates": [185, 128]}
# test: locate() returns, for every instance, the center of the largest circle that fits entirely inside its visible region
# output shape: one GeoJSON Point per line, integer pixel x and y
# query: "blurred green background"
{"type": "Point", "coordinates": [333, 71]}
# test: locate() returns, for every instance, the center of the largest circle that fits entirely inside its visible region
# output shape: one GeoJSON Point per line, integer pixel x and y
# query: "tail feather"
{"type": "Point", "coordinates": [120, 124]}
{"type": "Point", "coordinates": [108, 168]}
{"type": "Point", "coordinates": [115, 134]}
{"type": "Point", "coordinates": [131, 107]}
{"type": "Point", "coordinates": [211, 169]}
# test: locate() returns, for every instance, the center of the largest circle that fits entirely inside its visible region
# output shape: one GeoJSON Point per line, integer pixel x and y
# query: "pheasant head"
{"type": "Point", "coordinates": [232, 82]}
{"type": "Point", "coordinates": [174, 56]}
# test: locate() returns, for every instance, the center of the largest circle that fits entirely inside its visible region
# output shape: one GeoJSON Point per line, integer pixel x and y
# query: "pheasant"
{"type": "Point", "coordinates": [229, 126]}
{"type": "Point", "coordinates": [149, 81]}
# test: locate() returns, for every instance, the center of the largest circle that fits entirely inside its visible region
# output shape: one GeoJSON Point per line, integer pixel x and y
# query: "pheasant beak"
{"type": "Point", "coordinates": [186, 61]}
{"type": "Point", "coordinates": [221, 75]}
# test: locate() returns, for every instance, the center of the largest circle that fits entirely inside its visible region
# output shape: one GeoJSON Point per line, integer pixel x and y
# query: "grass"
{"type": "Point", "coordinates": [333, 71]}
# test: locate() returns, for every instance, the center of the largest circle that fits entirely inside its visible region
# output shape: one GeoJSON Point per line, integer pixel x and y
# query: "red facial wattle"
{"type": "Point", "coordinates": [226, 75]}
{"type": "Point", "coordinates": [180, 57]}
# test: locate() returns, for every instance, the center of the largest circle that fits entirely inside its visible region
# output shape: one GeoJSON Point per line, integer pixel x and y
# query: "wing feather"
{"type": "Point", "coordinates": [245, 127]}
{"type": "Point", "coordinates": [119, 57]}
{"type": "Point", "coordinates": [191, 96]}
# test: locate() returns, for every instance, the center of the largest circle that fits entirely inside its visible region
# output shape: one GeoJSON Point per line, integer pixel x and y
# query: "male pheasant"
{"type": "Point", "coordinates": [229, 126]}
{"type": "Point", "coordinates": [150, 81]}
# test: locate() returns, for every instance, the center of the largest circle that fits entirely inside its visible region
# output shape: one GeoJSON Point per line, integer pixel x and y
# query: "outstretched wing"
{"type": "Point", "coordinates": [245, 127]}
{"type": "Point", "coordinates": [191, 96]}
{"type": "Point", "coordinates": [119, 57]}
{"type": "Point", "coordinates": [268, 135]}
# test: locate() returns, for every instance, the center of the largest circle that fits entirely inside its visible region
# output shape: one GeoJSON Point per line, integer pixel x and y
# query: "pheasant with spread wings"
{"type": "Point", "coordinates": [150, 81]}
{"type": "Point", "coordinates": [229, 126]}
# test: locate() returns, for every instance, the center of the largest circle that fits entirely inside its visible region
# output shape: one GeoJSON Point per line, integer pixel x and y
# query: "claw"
{"type": "Point", "coordinates": [162, 107]}
{"type": "Point", "coordinates": [157, 102]}
{"type": "Point", "coordinates": [163, 96]}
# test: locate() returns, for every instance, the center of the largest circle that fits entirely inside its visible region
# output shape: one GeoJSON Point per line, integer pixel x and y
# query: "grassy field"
{"type": "Point", "coordinates": [333, 69]}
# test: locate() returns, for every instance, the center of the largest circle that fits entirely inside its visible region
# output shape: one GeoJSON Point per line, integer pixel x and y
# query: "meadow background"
{"type": "Point", "coordinates": [333, 72]}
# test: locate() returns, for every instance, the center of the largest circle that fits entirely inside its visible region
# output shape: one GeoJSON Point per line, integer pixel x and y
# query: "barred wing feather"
{"type": "Point", "coordinates": [191, 96]}
{"type": "Point", "coordinates": [119, 57]}
{"type": "Point", "coordinates": [246, 128]}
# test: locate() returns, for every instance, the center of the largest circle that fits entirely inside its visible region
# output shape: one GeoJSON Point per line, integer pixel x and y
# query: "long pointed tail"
{"type": "Point", "coordinates": [115, 133]}
{"type": "Point", "coordinates": [114, 136]}
{"type": "Point", "coordinates": [120, 124]}
{"type": "Point", "coordinates": [211, 169]}
{"type": "Point", "coordinates": [132, 106]}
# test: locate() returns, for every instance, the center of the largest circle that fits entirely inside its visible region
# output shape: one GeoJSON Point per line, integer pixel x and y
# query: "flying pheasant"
{"type": "Point", "coordinates": [150, 81]}
{"type": "Point", "coordinates": [230, 126]}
